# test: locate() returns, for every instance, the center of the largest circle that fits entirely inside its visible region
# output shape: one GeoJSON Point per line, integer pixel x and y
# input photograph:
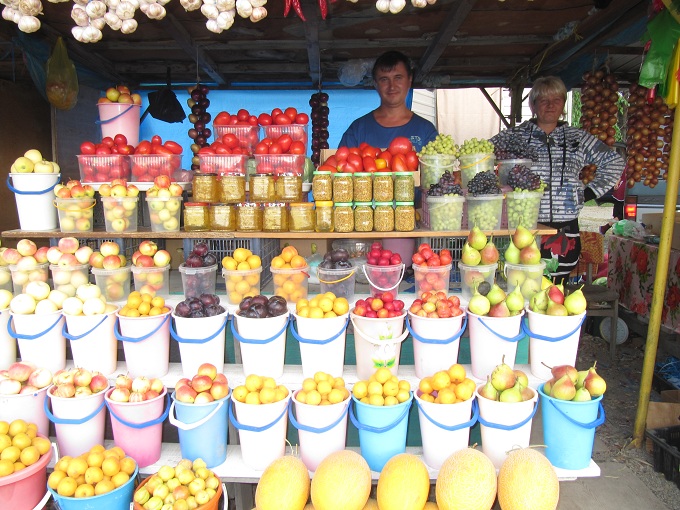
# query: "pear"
{"type": "Point", "coordinates": [575, 302]}
{"type": "Point", "coordinates": [582, 395]}
{"type": "Point", "coordinates": [522, 237]}
{"type": "Point", "coordinates": [539, 302]}
{"type": "Point", "coordinates": [488, 391]}
{"type": "Point", "coordinates": [495, 294]}
{"type": "Point", "coordinates": [478, 304]}
{"type": "Point", "coordinates": [522, 378]}
{"type": "Point", "coordinates": [546, 282]}
{"type": "Point", "coordinates": [530, 255]}
{"type": "Point", "coordinates": [516, 277]}
{"type": "Point", "coordinates": [556, 309]}
{"type": "Point", "coordinates": [563, 389]}
{"type": "Point", "coordinates": [527, 393]}
{"type": "Point", "coordinates": [547, 386]}
{"type": "Point", "coordinates": [530, 288]}
{"type": "Point", "coordinates": [582, 374]}
{"type": "Point", "coordinates": [499, 310]}
{"type": "Point", "coordinates": [470, 256]}
{"type": "Point", "coordinates": [513, 394]}
{"type": "Point", "coordinates": [476, 238]}
{"type": "Point", "coordinates": [503, 377]}
{"type": "Point", "coordinates": [561, 370]}
{"type": "Point", "coordinates": [489, 253]}
{"type": "Point", "coordinates": [511, 254]}
{"type": "Point", "coordinates": [515, 300]}
{"type": "Point", "coordinates": [594, 383]}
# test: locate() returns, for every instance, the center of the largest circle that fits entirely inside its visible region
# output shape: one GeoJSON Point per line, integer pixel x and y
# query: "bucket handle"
{"type": "Point", "coordinates": [41, 504]}
{"type": "Point", "coordinates": [379, 430]}
{"type": "Point", "coordinates": [446, 341]}
{"type": "Point", "coordinates": [73, 421]}
{"type": "Point", "coordinates": [251, 428]}
{"type": "Point", "coordinates": [173, 333]}
{"type": "Point", "coordinates": [476, 162]}
{"type": "Point", "coordinates": [401, 276]}
{"type": "Point", "coordinates": [258, 342]}
{"type": "Point", "coordinates": [451, 428]}
{"type": "Point", "coordinates": [144, 425]}
{"type": "Point", "coordinates": [19, 192]}
{"type": "Point", "coordinates": [94, 202]}
{"type": "Point", "coordinates": [99, 121]}
{"type": "Point", "coordinates": [506, 338]}
{"type": "Point", "coordinates": [314, 430]}
{"type": "Point", "coordinates": [336, 281]}
{"type": "Point", "coordinates": [64, 330]}
{"type": "Point", "coordinates": [119, 336]}
{"type": "Point", "coordinates": [193, 425]}
{"type": "Point", "coordinates": [593, 424]}
{"type": "Point", "coordinates": [509, 427]}
{"type": "Point", "coordinates": [528, 332]}
{"type": "Point", "coordinates": [297, 336]}
{"type": "Point", "coordinates": [400, 338]}
{"type": "Point", "coordinates": [13, 334]}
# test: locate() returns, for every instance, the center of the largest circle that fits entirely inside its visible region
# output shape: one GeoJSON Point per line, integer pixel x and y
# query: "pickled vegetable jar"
{"type": "Point", "coordinates": [363, 187]}
{"type": "Point", "coordinates": [343, 217]}
{"type": "Point", "coordinates": [231, 188]}
{"type": "Point", "coordinates": [322, 185]}
{"type": "Point", "coordinates": [383, 187]}
{"type": "Point", "coordinates": [249, 217]}
{"type": "Point", "coordinates": [275, 217]}
{"type": "Point", "coordinates": [383, 217]}
{"type": "Point", "coordinates": [363, 217]}
{"type": "Point", "coordinates": [404, 185]}
{"type": "Point", "coordinates": [223, 217]}
{"type": "Point", "coordinates": [196, 216]}
{"type": "Point", "coordinates": [204, 187]}
{"type": "Point", "coordinates": [404, 217]}
{"type": "Point", "coordinates": [301, 217]}
{"type": "Point", "coordinates": [324, 216]}
{"type": "Point", "coordinates": [343, 187]}
{"type": "Point", "coordinates": [262, 188]}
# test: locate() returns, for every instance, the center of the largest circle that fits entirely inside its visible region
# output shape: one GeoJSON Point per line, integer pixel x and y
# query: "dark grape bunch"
{"type": "Point", "coordinates": [484, 183]}
{"type": "Point", "coordinates": [511, 146]}
{"type": "Point", "coordinates": [446, 185]}
{"type": "Point", "coordinates": [320, 111]}
{"type": "Point", "coordinates": [200, 118]}
{"type": "Point", "coordinates": [521, 178]}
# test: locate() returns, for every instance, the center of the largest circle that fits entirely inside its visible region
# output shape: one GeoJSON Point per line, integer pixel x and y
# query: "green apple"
{"type": "Point", "coordinates": [22, 165]}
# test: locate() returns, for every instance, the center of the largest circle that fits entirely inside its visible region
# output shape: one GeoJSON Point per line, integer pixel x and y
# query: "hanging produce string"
{"type": "Point", "coordinates": [320, 111]}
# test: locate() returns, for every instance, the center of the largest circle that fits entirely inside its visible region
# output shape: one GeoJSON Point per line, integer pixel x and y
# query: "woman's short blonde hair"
{"type": "Point", "coordinates": [547, 86]}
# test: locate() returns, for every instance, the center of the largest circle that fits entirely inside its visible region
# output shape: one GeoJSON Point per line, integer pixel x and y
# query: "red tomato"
{"type": "Point", "coordinates": [264, 119]}
{"type": "Point", "coordinates": [433, 262]}
{"type": "Point", "coordinates": [108, 141]}
{"type": "Point", "coordinates": [125, 149]}
{"type": "Point", "coordinates": [326, 168]}
{"type": "Point", "coordinates": [222, 119]}
{"type": "Point", "coordinates": [114, 149]}
{"type": "Point", "coordinates": [276, 111]}
{"type": "Point", "coordinates": [445, 252]}
{"type": "Point", "coordinates": [144, 147]}
{"type": "Point", "coordinates": [102, 149]}
{"type": "Point", "coordinates": [161, 149]}
{"type": "Point", "coordinates": [399, 163]}
{"type": "Point", "coordinates": [417, 258]}
{"type": "Point", "coordinates": [331, 161]}
{"type": "Point", "coordinates": [297, 147]}
{"type": "Point", "coordinates": [230, 140]}
{"type": "Point", "coordinates": [120, 140]}
{"type": "Point", "coordinates": [356, 162]}
{"type": "Point", "coordinates": [412, 161]}
{"type": "Point", "coordinates": [363, 145]}
{"type": "Point", "coordinates": [206, 150]}
{"type": "Point", "coordinates": [370, 152]}
{"type": "Point", "coordinates": [400, 145]}
{"type": "Point", "coordinates": [275, 148]}
{"type": "Point", "coordinates": [220, 148]}
{"type": "Point", "coordinates": [369, 164]}
{"type": "Point", "coordinates": [284, 141]}
{"type": "Point", "coordinates": [267, 141]}
{"type": "Point", "coordinates": [261, 148]}
{"type": "Point", "coordinates": [156, 140]}
{"type": "Point", "coordinates": [174, 147]}
{"type": "Point", "coordinates": [87, 148]}
{"type": "Point", "coordinates": [282, 119]}
{"type": "Point", "coordinates": [302, 118]}
{"type": "Point", "coordinates": [341, 154]}
{"type": "Point", "coordinates": [233, 120]}
{"type": "Point", "coordinates": [345, 166]}
{"type": "Point", "coordinates": [426, 253]}
{"type": "Point", "coordinates": [387, 156]}
{"type": "Point", "coordinates": [355, 150]}
{"type": "Point", "coordinates": [252, 120]}
{"type": "Point", "coordinates": [243, 115]}
{"type": "Point", "coordinates": [423, 246]}
{"type": "Point", "coordinates": [291, 113]}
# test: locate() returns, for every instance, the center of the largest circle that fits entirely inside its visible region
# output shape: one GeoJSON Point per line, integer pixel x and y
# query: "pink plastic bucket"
{"type": "Point", "coordinates": [146, 343]}
{"type": "Point", "coordinates": [25, 489]}
{"type": "Point", "coordinates": [138, 426]}
{"type": "Point", "coordinates": [435, 342]}
{"type": "Point", "coordinates": [123, 118]}
{"type": "Point", "coordinates": [492, 338]}
{"type": "Point", "coordinates": [93, 342]}
{"type": "Point", "coordinates": [29, 407]}
{"type": "Point", "coordinates": [40, 339]}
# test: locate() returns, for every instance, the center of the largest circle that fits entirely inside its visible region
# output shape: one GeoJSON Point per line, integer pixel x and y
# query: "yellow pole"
{"type": "Point", "coordinates": [660, 279]}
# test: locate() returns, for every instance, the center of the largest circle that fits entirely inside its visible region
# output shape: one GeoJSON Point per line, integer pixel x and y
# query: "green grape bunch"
{"type": "Point", "coordinates": [442, 144]}
{"type": "Point", "coordinates": [475, 146]}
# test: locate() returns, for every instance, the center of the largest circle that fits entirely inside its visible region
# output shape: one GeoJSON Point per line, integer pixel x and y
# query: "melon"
{"type": "Point", "coordinates": [371, 504]}
{"type": "Point", "coordinates": [527, 480]}
{"type": "Point", "coordinates": [308, 506]}
{"type": "Point", "coordinates": [342, 481]}
{"type": "Point", "coordinates": [404, 483]}
{"type": "Point", "coordinates": [284, 485]}
{"type": "Point", "coordinates": [430, 506]}
{"type": "Point", "coordinates": [466, 481]}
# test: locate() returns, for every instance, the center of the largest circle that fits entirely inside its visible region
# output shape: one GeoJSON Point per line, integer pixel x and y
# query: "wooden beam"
{"type": "Point", "coordinates": [451, 24]}
{"type": "Point", "coordinates": [495, 107]}
{"type": "Point", "coordinates": [311, 26]}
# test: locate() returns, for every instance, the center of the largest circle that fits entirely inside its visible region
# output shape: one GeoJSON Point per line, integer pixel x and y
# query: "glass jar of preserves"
{"type": "Point", "coordinates": [223, 217]}
{"type": "Point", "coordinates": [343, 217]}
{"type": "Point", "coordinates": [383, 217]}
{"type": "Point", "coordinates": [204, 187]}
{"type": "Point", "coordinates": [289, 187]}
{"type": "Point", "coordinates": [343, 187]}
{"type": "Point", "coordinates": [404, 217]}
{"type": "Point", "coordinates": [324, 216]}
{"type": "Point", "coordinates": [404, 187]}
{"type": "Point", "coordinates": [261, 188]}
{"type": "Point", "coordinates": [275, 217]}
{"type": "Point", "coordinates": [383, 187]}
{"type": "Point", "coordinates": [196, 216]}
{"type": "Point", "coordinates": [363, 187]}
{"type": "Point", "coordinates": [249, 217]}
{"type": "Point", "coordinates": [301, 217]}
{"type": "Point", "coordinates": [231, 188]}
{"type": "Point", "coordinates": [363, 217]}
{"type": "Point", "coordinates": [322, 185]}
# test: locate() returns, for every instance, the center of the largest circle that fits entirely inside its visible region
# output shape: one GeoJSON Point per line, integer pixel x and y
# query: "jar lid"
{"type": "Point", "coordinates": [324, 203]}
{"type": "Point", "coordinates": [362, 174]}
{"type": "Point", "coordinates": [196, 204]}
{"type": "Point", "coordinates": [262, 174]}
{"type": "Point", "coordinates": [404, 173]}
{"type": "Point", "coordinates": [321, 172]}
{"type": "Point", "coordinates": [232, 173]}
{"type": "Point", "coordinates": [290, 174]}
{"type": "Point", "coordinates": [198, 173]}
{"type": "Point", "coordinates": [343, 204]}
{"type": "Point", "coordinates": [342, 174]}
{"type": "Point", "coordinates": [369, 204]}
{"type": "Point", "coordinates": [383, 204]}
{"type": "Point", "coordinates": [302, 204]}
{"type": "Point", "coordinates": [404, 203]}
{"type": "Point", "coordinates": [274, 204]}
{"type": "Point", "coordinates": [249, 204]}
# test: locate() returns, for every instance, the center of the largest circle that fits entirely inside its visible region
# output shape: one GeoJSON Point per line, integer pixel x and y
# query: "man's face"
{"type": "Point", "coordinates": [393, 85]}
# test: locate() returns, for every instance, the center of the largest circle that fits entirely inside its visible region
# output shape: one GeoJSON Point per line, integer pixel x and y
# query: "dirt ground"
{"type": "Point", "coordinates": [620, 402]}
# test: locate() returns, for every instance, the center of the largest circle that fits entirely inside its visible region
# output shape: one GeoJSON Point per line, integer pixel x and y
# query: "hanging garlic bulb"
{"type": "Point", "coordinates": [113, 21]}
{"type": "Point", "coordinates": [162, 2]}
{"type": "Point", "coordinates": [397, 6]}
{"type": "Point", "coordinates": [135, 4]}
{"type": "Point", "coordinates": [29, 24]}
{"type": "Point", "coordinates": [80, 2]}
{"type": "Point", "coordinates": [30, 7]}
{"type": "Point", "coordinates": [99, 23]}
{"type": "Point", "coordinates": [259, 13]}
{"type": "Point", "coordinates": [258, 3]}
{"type": "Point", "coordinates": [129, 26]}
{"type": "Point", "coordinates": [78, 33]}
{"type": "Point", "coordinates": [225, 5]}
{"type": "Point", "coordinates": [243, 8]}
{"type": "Point", "coordinates": [226, 19]}
{"type": "Point", "coordinates": [383, 5]}
{"type": "Point", "coordinates": [95, 9]}
{"type": "Point", "coordinates": [156, 11]}
{"type": "Point", "coordinates": [210, 11]}
{"type": "Point", "coordinates": [144, 7]}
{"type": "Point", "coordinates": [431, 2]}
{"type": "Point", "coordinates": [113, 4]}
{"type": "Point", "coordinates": [419, 3]}
{"type": "Point", "coordinates": [8, 13]}
{"type": "Point", "coordinates": [79, 15]}
{"type": "Point", "coordinates": [191, 5]}
{"type": "Point", "coordinates": [125, 11]}
{"type": "Point", "coordinates": [92, 34]}
{"type": "Point", "coordinates": [212, 25]}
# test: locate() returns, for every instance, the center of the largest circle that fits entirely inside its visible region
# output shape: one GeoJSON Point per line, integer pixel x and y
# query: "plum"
{"type": "Point", "coordinates": [245, 304]}
{"type": "Point", "coordinates": [212, 310]}
{"type": "Point", "coordinates": [260, 299]}
{"type": "Point", "coordinates": [197, 314]}
{"type": "Point", "coordinates": [277, 306]}
{"type": "Point", "coordinates": [201, 249]}
{"type": "Point", "coordinates": [183, 309]}
{"type": "Point", "coordinates": [193, 260]}
{"type": "Point", "coordinates": [210, 259]}
{"type": "Point", "coordinates": [209, 299]}
{"type": "Point", "coordinates": [339, 254]}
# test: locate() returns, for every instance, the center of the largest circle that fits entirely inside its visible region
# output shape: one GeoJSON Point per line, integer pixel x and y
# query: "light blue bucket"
{"type": "Point", "coordinates": [569, 430]}
{"type": "Point", "coordinates": [118, 499]}
{"type": "Point", "coordinates": [202, 429]}
{"type": "Point", "coordinates": [382, 430]}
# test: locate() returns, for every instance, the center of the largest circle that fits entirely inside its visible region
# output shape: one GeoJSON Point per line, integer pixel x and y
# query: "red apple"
{"type": "Point", "coordinates": [124, 381]}
{"type": "Point", "coordinates": [185, 394]}
{"type": "Point", "coordinates": [66, 390]}
{"type": "Point", "coordinates": [120, 394]}
{"type": "Point", "coordinates": [136, 396]}
{"type": "Point", "coordinates": [208, 369]}
{"type": "Point", "coordinates": [204, 397]}
{"type": "Point", "coordinates": [157, 385]}
{"type": "Point", "coordinates": [98, 383]}
{"type": "Point", "coordinates": [151, 394]}
{"type": "Point", "coordinates": [141, 384]}
{"type": "Point", "coordinates": [219, 390]}
{"type": "Point", "coordinates": [220, 378]}
{"type": "Point", "coordinates": [201, 383]}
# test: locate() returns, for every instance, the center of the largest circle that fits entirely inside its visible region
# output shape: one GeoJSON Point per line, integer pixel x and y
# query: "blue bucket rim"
{"type": "Point", "coordinates": [359, 403]}
{"type": "Point", "coordinates": [542, 394]}
{"type": "Point", "coordinates": [203, 404]}
{"type": "Point", "coordinates": [75, 501]}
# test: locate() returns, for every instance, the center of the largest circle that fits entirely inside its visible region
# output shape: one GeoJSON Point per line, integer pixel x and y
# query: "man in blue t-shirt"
{"type": "Point", "coordinates": [393, 77]}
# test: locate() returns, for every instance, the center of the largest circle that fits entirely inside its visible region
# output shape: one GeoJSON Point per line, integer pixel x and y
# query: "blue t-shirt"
{"type": "Point", "coordinates": [366, 129]}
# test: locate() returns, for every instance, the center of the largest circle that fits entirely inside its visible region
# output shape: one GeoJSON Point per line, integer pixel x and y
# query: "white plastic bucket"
{"type": "Point", "coordinates": [435, 342]}
{"type": "Point", "coordinates": [338, 281]}
{"type": "Point", "coordinates": [123, 118]}
{"type": "Point", "coordinates": [29, 407]}
{"type": "Point", "coordinates": [445, 428]}
{"type": "Point", "coordinates": [322, 344]}
{"type": "Point", "coordinates": [93, 342]}
{"type": "Point", "coordinates": [384, 278]}
{"type": "Point", "coordinates": [553, 341]}
{"type": "Point", "coordinates": [146, 344]}
{"type": "Point", "coordinates": [8, 345]}
{"type": "Point", "coordinates": [40, 339]}
{"type": "Point", "coordinates": [322, 429]}
{"type": "Point", "coordinates": [78, 421]}
{"type": "Point", "coordinates": [262, 343]}
{"type": "Point", "coordinates": [492, 338]}
{"type": "Point", "coordinates": [200, 339]}
{"type": "Point", "coordinates": [261, 430]}
{"type": "Point", "coordinates": [505, 425]}
{"type": "Point", "coordinates": [377, 343]}
{"type": "Point", "coordinates": [34, 196]}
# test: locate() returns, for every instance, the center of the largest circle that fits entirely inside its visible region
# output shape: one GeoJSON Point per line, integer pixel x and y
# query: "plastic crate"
{"type": "Point", "coordinates": [267, 249]}
{"type": "Point", "coordinates": [666, 455]}
{"type": "Point", "coordinates": [103, 167]}
{"type": "Point", "coordinates": [146, 167]}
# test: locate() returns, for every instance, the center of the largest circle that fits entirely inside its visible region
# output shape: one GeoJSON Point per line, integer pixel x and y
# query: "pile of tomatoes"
{"type": "Point", "coordinates": [426, 256]}
{"type": "Point", "coordinates": [399, 157]}
{"type": "Point", "coordinates": [277, 117]}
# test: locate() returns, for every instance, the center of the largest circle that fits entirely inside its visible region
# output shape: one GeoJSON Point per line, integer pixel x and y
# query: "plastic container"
{"type": "Point", "coordinates": [68, 278]}
{"type": "Point", "coordinates": [114, 283]}
{"type": "Point", "coordinates": [384, 278]}
{"type": "Point", "coordinates": [241, 284]}
{"type": "Point", "coordinates": [262, 343]}
{"type": "Point", "coordinates": [40, 338]}
{"type": "Point", "coordinates": [383, 187]}
{"type": "Point", "coordinates": [146, 343]}
{"type": "Point", "coordinates": [146, 167]}
{"type": "Point", "coordinates": [248, 136]}
{"type": "Point", "coordinates": [275, 217]}
{"type": "Point", "coordinates": [505, 165]}
{"type": "Point", "coordinates": [249, 217]}
{"type": "Point", "coordinates": [523, 208]}
{"type": "Point", "coordinates": [196, 216]}
{"type": "Point", "coordinates": [164, 213]}
{"type": "Point", "coordinates": [343, 187]}
{"type": "Point", "coordinates": [665, 441]}
{"type": "Point", "coordinates": [152, 280]}
{"type": "Point", "coordinates": [484, 211]}
{"type": "Point", "coordinates": [213, 504]}
{"type": "Point", "coordinates": [223, 163]}
{"type": "Point", "coordinates": [22, 275]}
{"type": "Point", "coordinates": [301, 217]}
{"type": "Point", "coordinates": [29, 407]}
{"type": "Point", "coordinates": [120, 213]}
{"type": "Point", "coordinates": [93, 341]}
{"type": "Point", "coordinates": [8, 345]}
{"type": "Point", "coordinates": [198, 280]}
{"type": "Point", "coordinates": [120, 118]}
{"type": "Point", "coordinates": [343, 217]}
{"type": "Point", "coordinates": [472, 164]}
{"type": "Point", "coordinates": [291, 284]}
{"type": "Point", "coordinates": [493, 340]}
{"type": "Point", "coordinates": [528, 277]}
{"type": "Point", "coordinates": [34, 195]}
{"type": "Point", "coordinates": [436, 342]}
{"type": "Point", "coordinates": [75, 214]}
{"type": "Point", "coordinates": [338, 281]}
{"type": "Point", "coordinates": [431, 278]}
{"type": "Point", "coordinates": [200, 339]}
{"type": "Point", "coordinates": [322, 344]}
{"type": "Point", "coordinates": [104, 167]}
{"type": "Point", "coordinates": [5, 278]}
{"type": "Point", "coordinates": [433, 166]}
{"type": "Point", "coordinates": [472, 276]}
{"type": "Point", "coordinates": [24, 489]}
{"type": "Point", "coordinates": [324, 215]}
{"type": "Point", "coordinates": [377, 343]}
{"type": "Point", "coordinates": [279, 164]}
{"type": "Point", "coordinates": [231, 188]}
{"type": "Point", "coordinates": [298, 132]}
{"type": "Point", "coordinates": [445, 213]}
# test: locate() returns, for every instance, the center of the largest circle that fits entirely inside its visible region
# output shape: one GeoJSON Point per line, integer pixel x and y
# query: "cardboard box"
{"type": "Point", "coordinates": [665, 413]}
{"type": "Point", "coordinates": [653, 221]}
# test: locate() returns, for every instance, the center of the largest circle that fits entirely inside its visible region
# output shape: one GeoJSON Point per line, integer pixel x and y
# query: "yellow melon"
{"type": "Point", "coordinates": [430, 506]}
{"type": "Point", "coordinates": [371, 504]}
{"type": "Point", "coordinates": [284, 485]}
{"type": "Point", "coordinates": [308, 506]}
{"type": "Point", "coordinates": [404, 483]}
{"type": "Point", "coordinates": [341, 482]}
{"type": "Point", "coordinates": [466, 481]}
{"type": "Point", "coordinates": [527, 480]}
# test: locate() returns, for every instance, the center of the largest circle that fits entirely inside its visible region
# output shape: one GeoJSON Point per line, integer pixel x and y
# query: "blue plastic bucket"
{"type": "Point", "coordinates": [569, 430]}
{"type": "Point", "coordinates": [382, 430]}
{"type": "Point", "coordinates": [196, 423]}
{"type": "Point", "coordinates": [118, 499]}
